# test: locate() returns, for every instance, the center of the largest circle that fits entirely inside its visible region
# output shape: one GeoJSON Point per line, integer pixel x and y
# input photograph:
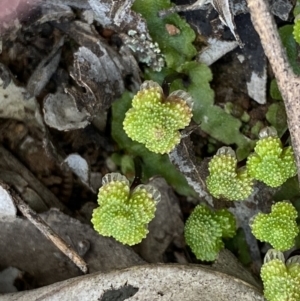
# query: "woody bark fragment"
{"type": "Point", "coordinates": [288, 82]}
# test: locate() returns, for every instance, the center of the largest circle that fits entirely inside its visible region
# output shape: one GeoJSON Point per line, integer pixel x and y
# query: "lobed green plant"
{"type": "Point", "coordinates": [281, 279]}
{"type": "Point", "coordinates": [204, 230]}
{"type": "Point", "coordinates": [152, 164]}
{"type": "Point", "coordinates": [123, 214]}
{"type": "Point", "coordinates": [279, 228]}
{"type": "Point", "coordinates": [155, 120]}
{"type": "Point", "coordinates": [225, 180]}
{"type": "Point", "coordinates": [271, 163]}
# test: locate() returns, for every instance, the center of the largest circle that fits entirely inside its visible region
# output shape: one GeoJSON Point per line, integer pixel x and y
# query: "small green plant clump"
{"type": "Point", "coordinates": [225, 180]}
{"type": "Point", "coordinates": [122, 214]}
{"type": "Point", "coordinates": [154, 120]}
{"type": "Point", "coordinates": [281, 280]}
{"type": "Point", "coordinates": [271, 163]}
{"type": "Point", "coordinates": [279, 228]}
{"type": "Point", "coordinates": [204, 230]}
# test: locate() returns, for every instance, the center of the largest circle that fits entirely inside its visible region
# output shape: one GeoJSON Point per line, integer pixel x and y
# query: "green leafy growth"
{"type": "Point", "coordinates": [296, 10]}
{"type": "Point", "coordinates": [122, 214]}
{"type": "Point", "coordinates": [155, 121]}
{"type": "Point", "coordinates": [176, 48]}
{"type": "Point", "coordinates": [153, 164]}
{"type": "Point", "coordinates": [288, 190]}
{"type": "Point", "coordinates": [279, 228]}
{"type": "Point", "coordinates": [204, 230]}
{"type": "Point", "coordinates": [213, 119]}
{"type": "Point", "coordinates": [271, 163]}
{"type": "Point", "coordinates": [225, 181]}
{"type": "Point", "coordinates": [287, 38]}
{"type": "Point", "coordinates": [281, 281]}
{"type": "Point", "coordinates": [274, 90]}
{"type": "Point", "coordinates": [239, 247]}
{"type": "Point", "coordinates": [276, 116]}
{"type": "Point", "coordinates": [258, 126]}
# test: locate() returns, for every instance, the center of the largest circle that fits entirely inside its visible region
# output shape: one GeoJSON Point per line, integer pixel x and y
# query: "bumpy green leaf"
{"type": "Point", "coordinates": [124, 214]}
{"type": "Point", "coordinates": [153, 164]}
{"type": "Point", "coordinates": [278, 228]}
{"type": "Point", "coordinates": [154, 120]}
{"type": "Point", "coordinates": [225, 180]}
{"type": "Point", "coordinates": [271, 163]}
{"type": "Point", "coordinates": [204, 230]}
{"type": "Point", "coordinates": [281, 281]}
{"type": "Point", "coordinates": [177, 48]}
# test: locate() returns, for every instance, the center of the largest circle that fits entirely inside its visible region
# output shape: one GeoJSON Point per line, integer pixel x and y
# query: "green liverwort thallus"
{"type": "Point", "coordinates": [279, 228]}
{"type": "Point", "coordinates": [281, 279]}
{"type": "Point", "coordinates": [124, 214]}
{"type": "Point", "coordinates": [271, 163]}
{"type": "Point", "coordinates": [225, 180]}
{"type": "Point", "coordinates": [154, 120]}
{"type": "Point", "coordinates": [204, 230]}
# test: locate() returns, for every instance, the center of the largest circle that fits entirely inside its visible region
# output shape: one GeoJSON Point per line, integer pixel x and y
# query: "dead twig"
{"type": "Point", "coordinates": [48, 232]}
{"type": "Point", "coordinates": [288, 82]}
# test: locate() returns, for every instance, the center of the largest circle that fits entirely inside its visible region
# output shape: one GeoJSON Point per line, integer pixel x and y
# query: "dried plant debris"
{"type": "Point", "coordinates": [50, 265]}
{"type": "Point", "coordinates": [79, 167]}
{"type": "Point", "coordinates": [98, 68]}
{"type": "Point", "coordinates": [39, 196]}
{"type": "Point", "coordinates": [61, 112]}
{"type": "Point", "coordinates": [215, 50]}
{"type": "Point", "coordinates": [94, 57]}
{"type": "Point", "coordinates": [48, 12]}
{"type": "Point", "coordinates": [253, 60]}
{"type": "Point", "coordinates": [80, 4]}
{"type": "Point", "coordinates": [162, 231]}
{"type": "Point", "coordinates": [43, 72]}
{"type": "Point", "coordinates": [12, 104]}
{"type": "Point", "coordinates": [219, 42]}
{"type": "Point", "coordinates": [251, 57]}
{"type": "Point", "coordinates": [100, 76]}
{"type": "Point", "coordinates": [7, 206]}
{"type": "Point", "coordinates": [184, 159]}
{"type": "Point", "coordinates": [281, 8]}
{"type": "Point", "coordinates": [119, 16]}
{"type": "Point", "coordinates": [224, 9]}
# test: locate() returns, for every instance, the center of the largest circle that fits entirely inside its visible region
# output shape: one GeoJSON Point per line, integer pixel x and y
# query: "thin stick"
{"type": "Point", "coordinates": [288, 82]}
{"type": "Point", "coordinates": [48, 232]}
